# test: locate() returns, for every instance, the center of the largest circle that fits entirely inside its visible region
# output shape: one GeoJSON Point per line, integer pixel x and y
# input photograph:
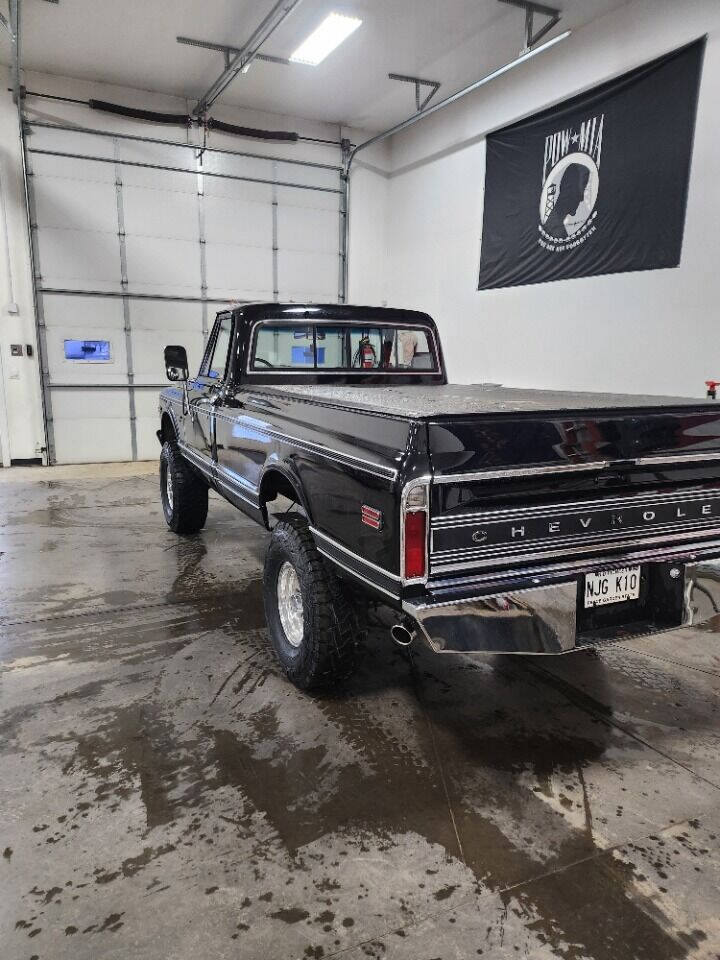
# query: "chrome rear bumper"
{"type": "Point", "coordinates": [543, 619]}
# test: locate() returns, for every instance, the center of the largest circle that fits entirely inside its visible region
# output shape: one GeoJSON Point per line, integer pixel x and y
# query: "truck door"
{"type": "Point", "coordinates": [205, 391]}
{"type": "Point", "coordinates": [240, 446]}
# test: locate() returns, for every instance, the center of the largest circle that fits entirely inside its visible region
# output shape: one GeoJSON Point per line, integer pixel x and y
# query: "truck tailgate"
{"type": "Point", "coordinates": [520, 489]}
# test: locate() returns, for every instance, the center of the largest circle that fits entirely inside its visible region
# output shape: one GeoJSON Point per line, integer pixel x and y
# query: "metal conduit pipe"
{"type": "Point", "coordinates": [404, 124]}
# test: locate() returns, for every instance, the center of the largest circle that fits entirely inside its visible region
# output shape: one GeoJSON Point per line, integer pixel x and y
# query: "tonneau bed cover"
{"type": "Point", "coordinates": [437, 400]}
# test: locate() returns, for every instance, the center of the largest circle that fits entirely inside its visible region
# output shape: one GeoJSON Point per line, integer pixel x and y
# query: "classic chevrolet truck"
{"type": "Point", "coordinates": [490, 520]}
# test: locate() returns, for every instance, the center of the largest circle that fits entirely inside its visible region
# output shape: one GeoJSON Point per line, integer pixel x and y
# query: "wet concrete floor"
{"type": "Point", "coordinates": [165, 793]}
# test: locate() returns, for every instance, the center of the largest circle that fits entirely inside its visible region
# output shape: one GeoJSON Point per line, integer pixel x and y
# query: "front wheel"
{"type": "Point", "coordinates": [184, 495]}
{"type": "Point", "coordinates": [312, 626]}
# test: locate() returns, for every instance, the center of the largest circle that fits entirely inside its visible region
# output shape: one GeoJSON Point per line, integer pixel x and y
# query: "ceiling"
{"type": "Point", "coordinates": [133, 44]}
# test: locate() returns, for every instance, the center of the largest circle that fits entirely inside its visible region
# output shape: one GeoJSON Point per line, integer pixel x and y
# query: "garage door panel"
{"type": "Point", "coordinates": [72, 168]}
{"type": "Point", "coordinates": [80, 438]}
{"type": "Point", "coordinates": [148, 347]}
{"type": "Point", "coordinates": [93, 440]}
{"type": "Point", "coordinates": [242, 272]}
{"type": "Point", "coordinates": [312, 176]}
{"type": "Point", "coordinates": [304, 275]}
{"type": "Point", "coordinates": [156, 154]}
{"type": "Point", "coordinates": [234, 221]}
{"type": "Point", "coordinates": [146, 404]}
{"type": "Point", "coordinates": [237, 190]}
{"type": "Point", "coordinates": [305, 229]}
{"type": "Point", "coordinates": [76, 204]}
{"type": "Point", "coordinates": [77, 315]}
{"type": "Point", "coordinates": [160, 213]}
{"type": "Point", "coordinates": [76, 258]}
{"type": "Point", "coordinates": [163, 265]}
{"type": "Point", "coordinates": [167, 180]}
{"type": "Point", "coordinates": [251, 167]}
{"type": "Point", "coordinates": [165, 315]}
{"type": "Point", "coordinates": [70, 141]}
{"type": "Point", "coordinates": [309, 199]}
{"type": "Point", "coordinates": [84, 371]}
{"type": "Point", "coordinates": [148, 447]}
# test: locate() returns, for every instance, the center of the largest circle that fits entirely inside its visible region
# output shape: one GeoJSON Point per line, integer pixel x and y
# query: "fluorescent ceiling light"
{"type": "Point", "coordinates": [330, 34]}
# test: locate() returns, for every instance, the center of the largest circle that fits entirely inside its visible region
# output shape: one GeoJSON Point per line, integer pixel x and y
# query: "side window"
{"type": "Point", "coordinates": [218, 357]}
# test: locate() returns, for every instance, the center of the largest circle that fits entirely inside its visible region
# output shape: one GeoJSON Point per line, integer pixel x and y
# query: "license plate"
{"type": "Point", "coordinates": [612, 586]}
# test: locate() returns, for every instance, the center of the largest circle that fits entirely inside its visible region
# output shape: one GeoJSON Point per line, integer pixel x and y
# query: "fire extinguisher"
{"type": "Point", "coordinates": [366, 353]}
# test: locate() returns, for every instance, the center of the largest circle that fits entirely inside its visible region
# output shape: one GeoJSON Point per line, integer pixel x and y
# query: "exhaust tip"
{"type": "Point", "coordinates": [401, 635]}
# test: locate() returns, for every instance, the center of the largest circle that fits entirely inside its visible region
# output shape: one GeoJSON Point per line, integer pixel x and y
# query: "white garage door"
{"type": "Point", "coordinates": [137, 244]}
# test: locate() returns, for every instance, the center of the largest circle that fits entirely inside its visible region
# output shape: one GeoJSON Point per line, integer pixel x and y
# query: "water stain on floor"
{"type": "Point", "coordinates": [168, 793]}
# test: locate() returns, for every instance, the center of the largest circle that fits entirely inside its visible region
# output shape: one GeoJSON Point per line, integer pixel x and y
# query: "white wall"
{"type": "Point", "coordinates": [368, 253]}
{"type": "Point", "coordinates": [21, 429]}
{"type": "Point", "coordinates": [651, 332]}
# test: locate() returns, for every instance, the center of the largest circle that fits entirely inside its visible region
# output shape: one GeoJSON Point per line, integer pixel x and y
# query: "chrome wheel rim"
{"type": "Point", "coordinates": [168, 489]}
{"type": "Point", "coordinates": [290, 605]}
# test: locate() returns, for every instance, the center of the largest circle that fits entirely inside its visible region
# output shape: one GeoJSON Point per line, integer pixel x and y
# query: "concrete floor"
{"type": "Point", "coordinates": [165, 793]}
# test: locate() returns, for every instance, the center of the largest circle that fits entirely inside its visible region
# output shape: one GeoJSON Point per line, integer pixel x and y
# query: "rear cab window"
{"type": "Point", "coordinates": [337, 348]}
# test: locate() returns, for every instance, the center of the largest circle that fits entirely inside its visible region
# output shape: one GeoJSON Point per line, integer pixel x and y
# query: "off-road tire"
{"type": "Point", "coordinates": [189, 508]}
{"type": "Point", "coordinates": [326, 655]}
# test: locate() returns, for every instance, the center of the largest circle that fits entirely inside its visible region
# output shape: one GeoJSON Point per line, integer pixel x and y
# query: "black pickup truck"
{"type": "Point", "coordinates": [490, 520]}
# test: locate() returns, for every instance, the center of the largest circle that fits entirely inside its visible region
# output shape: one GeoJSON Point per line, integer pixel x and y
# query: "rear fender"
{"type": "Point", "coordinates": [280, 478]}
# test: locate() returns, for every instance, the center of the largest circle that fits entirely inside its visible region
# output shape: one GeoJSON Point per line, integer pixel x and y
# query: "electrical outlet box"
{"type": "Point", "coordinates": [16, 349]}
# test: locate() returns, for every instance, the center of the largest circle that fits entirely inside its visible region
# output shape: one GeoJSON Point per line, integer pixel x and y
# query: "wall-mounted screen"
{"type": "Point", "coordinates": [97, 351]}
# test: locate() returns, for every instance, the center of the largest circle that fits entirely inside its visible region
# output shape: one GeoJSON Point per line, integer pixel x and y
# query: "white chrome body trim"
{"type": "Point", "coordinates": [232, 477]}
{"type": "Point", "coordinates": [515, 472]}
{"type": "Point", "coordinates": [212, 470]}
{"type": "Point", "coordinates": [661, 461]}
{"type": "Point", "coordinates": [354, 573]}
{"type": "Point", "coordinates": [586, 506]}
{"type": "Point", "coordinates": [311, 446]}
{"type": "Point", "coordinates": [338, 546]}
{"type": "Point", "coordinates": [468, 564]}
{"type": "Point", "coordinates": [586, 565]}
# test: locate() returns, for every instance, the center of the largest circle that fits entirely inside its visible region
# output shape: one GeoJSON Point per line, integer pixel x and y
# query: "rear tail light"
{"type": "Point", "coordinates": [415, 538]}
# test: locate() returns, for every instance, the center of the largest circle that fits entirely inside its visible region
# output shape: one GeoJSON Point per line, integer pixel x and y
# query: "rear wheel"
{"type": "Point", "coordinates": [312, 626]}
{"type": "Point", "coordinates": [184, 495]}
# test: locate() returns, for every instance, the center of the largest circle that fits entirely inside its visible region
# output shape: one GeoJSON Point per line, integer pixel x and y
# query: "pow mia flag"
{"type": "Point", "coordinates": [597, 184]}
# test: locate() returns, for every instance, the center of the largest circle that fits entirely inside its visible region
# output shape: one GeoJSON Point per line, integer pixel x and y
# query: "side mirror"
{"type": "Point", "coordinates": [176, 364]}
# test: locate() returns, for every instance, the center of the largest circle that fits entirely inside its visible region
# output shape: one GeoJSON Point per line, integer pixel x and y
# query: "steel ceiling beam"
{"type": "Point", "coordinates": [533, 36]}
{"type": "Point", "coordinates": [229, 52]}
{"type": "Point", "coordinates": [433, 84]}
{"type": "Point", "coordinates": [246, 54]}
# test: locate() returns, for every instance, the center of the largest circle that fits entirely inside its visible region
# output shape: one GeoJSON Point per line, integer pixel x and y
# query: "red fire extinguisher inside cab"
{"type": "Point", "coordinates": [367, 353]}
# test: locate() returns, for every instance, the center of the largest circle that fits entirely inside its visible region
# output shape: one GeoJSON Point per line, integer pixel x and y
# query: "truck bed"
{"type": "Point", "coordinates": [434, 401]}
